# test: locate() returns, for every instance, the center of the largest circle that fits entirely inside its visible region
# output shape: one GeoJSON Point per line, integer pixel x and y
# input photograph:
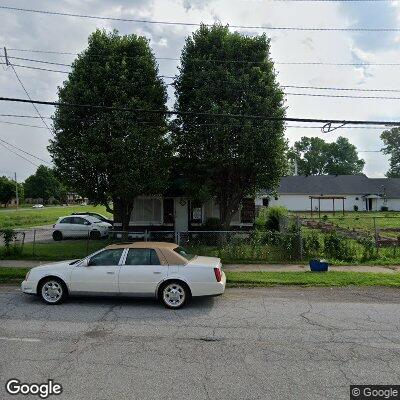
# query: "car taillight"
{"type": "Point", "coordinates": [218, 274]}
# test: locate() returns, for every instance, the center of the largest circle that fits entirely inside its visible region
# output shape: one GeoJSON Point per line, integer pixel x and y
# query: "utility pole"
{"type": "Point", "coordinates": [16, 190]}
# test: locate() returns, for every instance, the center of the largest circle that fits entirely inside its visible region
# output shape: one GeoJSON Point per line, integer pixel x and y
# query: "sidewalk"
{"type": "Point", "coordinates": [387, 269]}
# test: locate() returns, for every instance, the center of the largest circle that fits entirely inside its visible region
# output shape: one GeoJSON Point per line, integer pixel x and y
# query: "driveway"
{"type": "Point", "coordinates": [276, 343]}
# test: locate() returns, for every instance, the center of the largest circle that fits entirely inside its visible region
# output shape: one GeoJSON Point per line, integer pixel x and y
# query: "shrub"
{"type": "Point", "coordinates": [338, 247]}
{"type": "Point", "coordinates": [312, 246]}
{"type": "Point", "coordinates": [213, 224]}
{"type": "Point", "coordinates": [355, 207]}
{"type": "Point", "coordinates": [9, 236]}
{"type": "Point", "coordinates": [384, 208]}
{"type": "Point", "coordinates": [269, 218]}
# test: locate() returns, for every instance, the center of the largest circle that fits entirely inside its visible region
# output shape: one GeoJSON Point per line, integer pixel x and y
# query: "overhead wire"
{"type": "Point", "coordinates": [194, 24]}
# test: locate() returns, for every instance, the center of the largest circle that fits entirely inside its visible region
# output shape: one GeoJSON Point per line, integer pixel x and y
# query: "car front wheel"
{"type": "Point", "coordinates": [174, 295]}
{"type": "Point", "coordinates": [57, 236]}
{"type": "Point", "coordinates": [53, 291]}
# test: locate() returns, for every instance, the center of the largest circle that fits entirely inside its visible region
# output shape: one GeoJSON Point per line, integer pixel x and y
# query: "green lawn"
{"type": "Point", "coordinates": [236, 279]}
{"type": "Point", "coordinates": [264, 279]}
{"type": "Point", "coordinates": [30, 217]}
{"type": "Point", "coordinates": [57, 251]}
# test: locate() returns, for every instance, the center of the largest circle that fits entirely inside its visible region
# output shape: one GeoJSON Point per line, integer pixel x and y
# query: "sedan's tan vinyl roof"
{"type": "Point", "coordinates": [143, 245]}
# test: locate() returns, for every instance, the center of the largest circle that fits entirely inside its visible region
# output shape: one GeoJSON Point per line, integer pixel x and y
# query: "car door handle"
{"type": "Point", "coordinates": [110, 272]}
{"type": "Point", "coordinates": [157, 273]}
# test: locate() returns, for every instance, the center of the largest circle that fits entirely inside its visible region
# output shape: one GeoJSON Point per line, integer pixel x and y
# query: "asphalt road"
{"type": "Point", "coordinates": [277, 343]}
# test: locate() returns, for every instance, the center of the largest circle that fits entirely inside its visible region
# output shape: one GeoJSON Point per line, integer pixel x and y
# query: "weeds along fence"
{"type": "Point", "coordinates": [298, 238]}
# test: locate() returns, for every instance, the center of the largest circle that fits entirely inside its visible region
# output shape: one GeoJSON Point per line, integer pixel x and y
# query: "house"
{"type": "Point", "coordinates": [342, 191]}
{"type": "Point", "coordinates": [177, 212]}
{"type": "Point", "coordinates": [181, 213]}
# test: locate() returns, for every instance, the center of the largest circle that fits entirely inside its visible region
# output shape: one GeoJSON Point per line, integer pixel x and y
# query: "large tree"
{"type": "Point", "coordinates": [112, 156]}
{"type": "Point", "coordinates": [224, 72]}
{"type": "Point", "coordinates": [314, 156]}
{"type": "Point", "coordinates": [391, 139]}
{"type": "Point", "coordinates": [44, 184]}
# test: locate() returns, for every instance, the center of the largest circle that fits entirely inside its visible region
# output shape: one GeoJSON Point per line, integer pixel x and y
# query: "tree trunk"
{"type": "Point", "coordinates": [228, 206]}
{"type": "Point", "coordinates": [122, 212]}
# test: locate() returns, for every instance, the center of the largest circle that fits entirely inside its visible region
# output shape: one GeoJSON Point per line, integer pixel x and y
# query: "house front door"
{"type": "Point", "coordinates": [181, 214]}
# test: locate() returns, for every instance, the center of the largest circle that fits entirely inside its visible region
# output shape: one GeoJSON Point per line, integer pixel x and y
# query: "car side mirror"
{"type": "Point", "coordinates": [85, 263]}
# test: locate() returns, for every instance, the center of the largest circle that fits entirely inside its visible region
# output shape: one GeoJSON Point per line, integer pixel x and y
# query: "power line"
{"type": "Point", "coordinates": [284, 86]}
{"type": "Point", "coordinates": [19, 155]}
{"type": "Point", "coordinates": [203, 114]}
{"type": "Point", "coordinates": [23, 151]}
{"type": "Point", "coordinates": [27, 93]}
{"type": "Point", "coordinates": [192, 24]}
{"type": "Point", "coordinates": [26, 125]}
{"type": "Point", "coordinates": [148, 122]}
{"type": "Point", "coordinates": [197, 60]}
{"type": "Point", "coordinates": [37, 68]}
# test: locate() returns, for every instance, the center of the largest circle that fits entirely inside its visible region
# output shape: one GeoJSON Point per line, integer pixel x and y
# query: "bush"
{"type": "Point", "coordinates": [338, 247]}
{"type": "Point", "coordinates": [213, 224]}
{"type": "Point", "coordinates": [384, 208]}
{"type": "Point", "coordinates": [312, 246]}
{"type": "Point", "coordinates": [355, 207]}
{"type": "Point", "coordinates": [269, 218]}
{"type": "Point", "coordinates": [9, 236]}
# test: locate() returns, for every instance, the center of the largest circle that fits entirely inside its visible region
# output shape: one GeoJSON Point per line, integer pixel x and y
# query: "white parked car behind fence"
{"type": "Point", "coordinates": [82, 226]}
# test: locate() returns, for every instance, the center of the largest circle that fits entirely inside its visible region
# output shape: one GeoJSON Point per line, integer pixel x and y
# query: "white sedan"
{"type": "Point", "coordinates": [80, 226]}
{"type": "Point", "coordinates": [151, 269]}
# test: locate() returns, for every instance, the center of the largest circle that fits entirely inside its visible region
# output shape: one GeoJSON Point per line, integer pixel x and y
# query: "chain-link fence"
{"type": "Point", "coordinates": [345, 238]}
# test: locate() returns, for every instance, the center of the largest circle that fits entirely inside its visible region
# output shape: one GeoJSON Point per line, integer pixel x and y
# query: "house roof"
{"type": "Point", "coordinates": [326, 185]}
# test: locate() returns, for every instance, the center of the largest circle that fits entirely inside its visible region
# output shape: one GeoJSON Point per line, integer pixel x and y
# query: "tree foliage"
{"type": "Point", "coordinates": [314, 156]}
{"type": "Point", "coordinates": [7, 190]}
{"type": "Point", "coordinates": [44, 184]}
{"type": "Point", "coordinates": [391, 139]}
{"type": "Point", "coordinates": [108, 155]}
{"type": "Point", "coordinates": [228, 158]}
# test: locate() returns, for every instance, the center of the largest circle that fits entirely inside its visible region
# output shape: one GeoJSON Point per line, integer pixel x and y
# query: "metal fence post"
{"type": "Point", "coordinates": [34, 243]}
{"type": "Point", "coordinates": [300, 237]}
{"type": "Point", "coordinates": [146, 239]}
{"type": "Point", "coordinates": [87, 243]}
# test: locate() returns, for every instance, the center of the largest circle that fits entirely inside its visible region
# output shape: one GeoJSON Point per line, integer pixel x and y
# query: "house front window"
{"type": "Point", "coordinates": [147, 211]}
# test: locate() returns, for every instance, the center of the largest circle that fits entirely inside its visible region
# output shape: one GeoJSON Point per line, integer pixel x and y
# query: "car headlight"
{"type": "Point", "coordinates": [27, 275]}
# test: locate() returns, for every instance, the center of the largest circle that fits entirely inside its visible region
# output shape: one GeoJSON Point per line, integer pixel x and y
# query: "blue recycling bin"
{"type": "Point", "coordinates": [318, 266]}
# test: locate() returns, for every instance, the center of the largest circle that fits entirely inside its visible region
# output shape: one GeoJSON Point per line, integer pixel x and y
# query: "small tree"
{"type": "Point", "coordinates": [7, 190]}
{"type": "Point", "coordinates": [112, 156]}
{"type": "Point", "coordinates": [228, 159]}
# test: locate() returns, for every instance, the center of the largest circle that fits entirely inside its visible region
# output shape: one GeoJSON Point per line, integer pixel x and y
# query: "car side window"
{"type": "Point", "coordinates": [66, 220]}
{"type": "Point", "coordinates": [142, 257]}
{"type": "Point", "coordinates": [106, 257]}
{"type": "Point", "coordinates": [79, 221]}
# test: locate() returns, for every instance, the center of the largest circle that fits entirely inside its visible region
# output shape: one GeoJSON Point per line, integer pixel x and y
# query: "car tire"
{"type": "Point", "coordinates": [57, 236]}
{"type": "Point", "coordinates": [52, 291]}
{"type": "Point", "coordinates": [174, 294]}
{"type": "Point", "coordinates": [95, 235]}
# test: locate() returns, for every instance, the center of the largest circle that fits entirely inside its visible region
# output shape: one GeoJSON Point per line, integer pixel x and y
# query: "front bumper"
{"type": "Point", "coordinates": [28, 287]}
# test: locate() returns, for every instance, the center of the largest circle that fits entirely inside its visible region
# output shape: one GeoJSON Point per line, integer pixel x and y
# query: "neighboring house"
{"type": "Point", "coordinates": [368, 194]}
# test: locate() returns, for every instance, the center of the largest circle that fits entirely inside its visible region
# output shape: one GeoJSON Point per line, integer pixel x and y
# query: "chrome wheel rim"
{"type": "Point", "coordinates": [52, 291]}
{"type": "Point", "coordinates": [174, 295]}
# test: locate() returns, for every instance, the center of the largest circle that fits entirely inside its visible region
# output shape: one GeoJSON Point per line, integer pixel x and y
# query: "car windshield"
{"type": "Point", "coordinates": [184, 253]}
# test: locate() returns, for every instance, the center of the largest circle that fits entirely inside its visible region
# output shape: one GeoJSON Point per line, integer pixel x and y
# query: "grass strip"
{"type": "Point", "coordinates": [265, 279]}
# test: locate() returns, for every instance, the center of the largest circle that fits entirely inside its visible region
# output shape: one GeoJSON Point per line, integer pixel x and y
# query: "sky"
{"type": "Point", "coordinates": [19, 30]}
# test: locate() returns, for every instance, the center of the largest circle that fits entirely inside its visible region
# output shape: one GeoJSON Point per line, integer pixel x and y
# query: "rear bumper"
{"type": "Point", "coordinates": [28, 287]}
{"type": "Point", "coordinates": [209, 289]}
